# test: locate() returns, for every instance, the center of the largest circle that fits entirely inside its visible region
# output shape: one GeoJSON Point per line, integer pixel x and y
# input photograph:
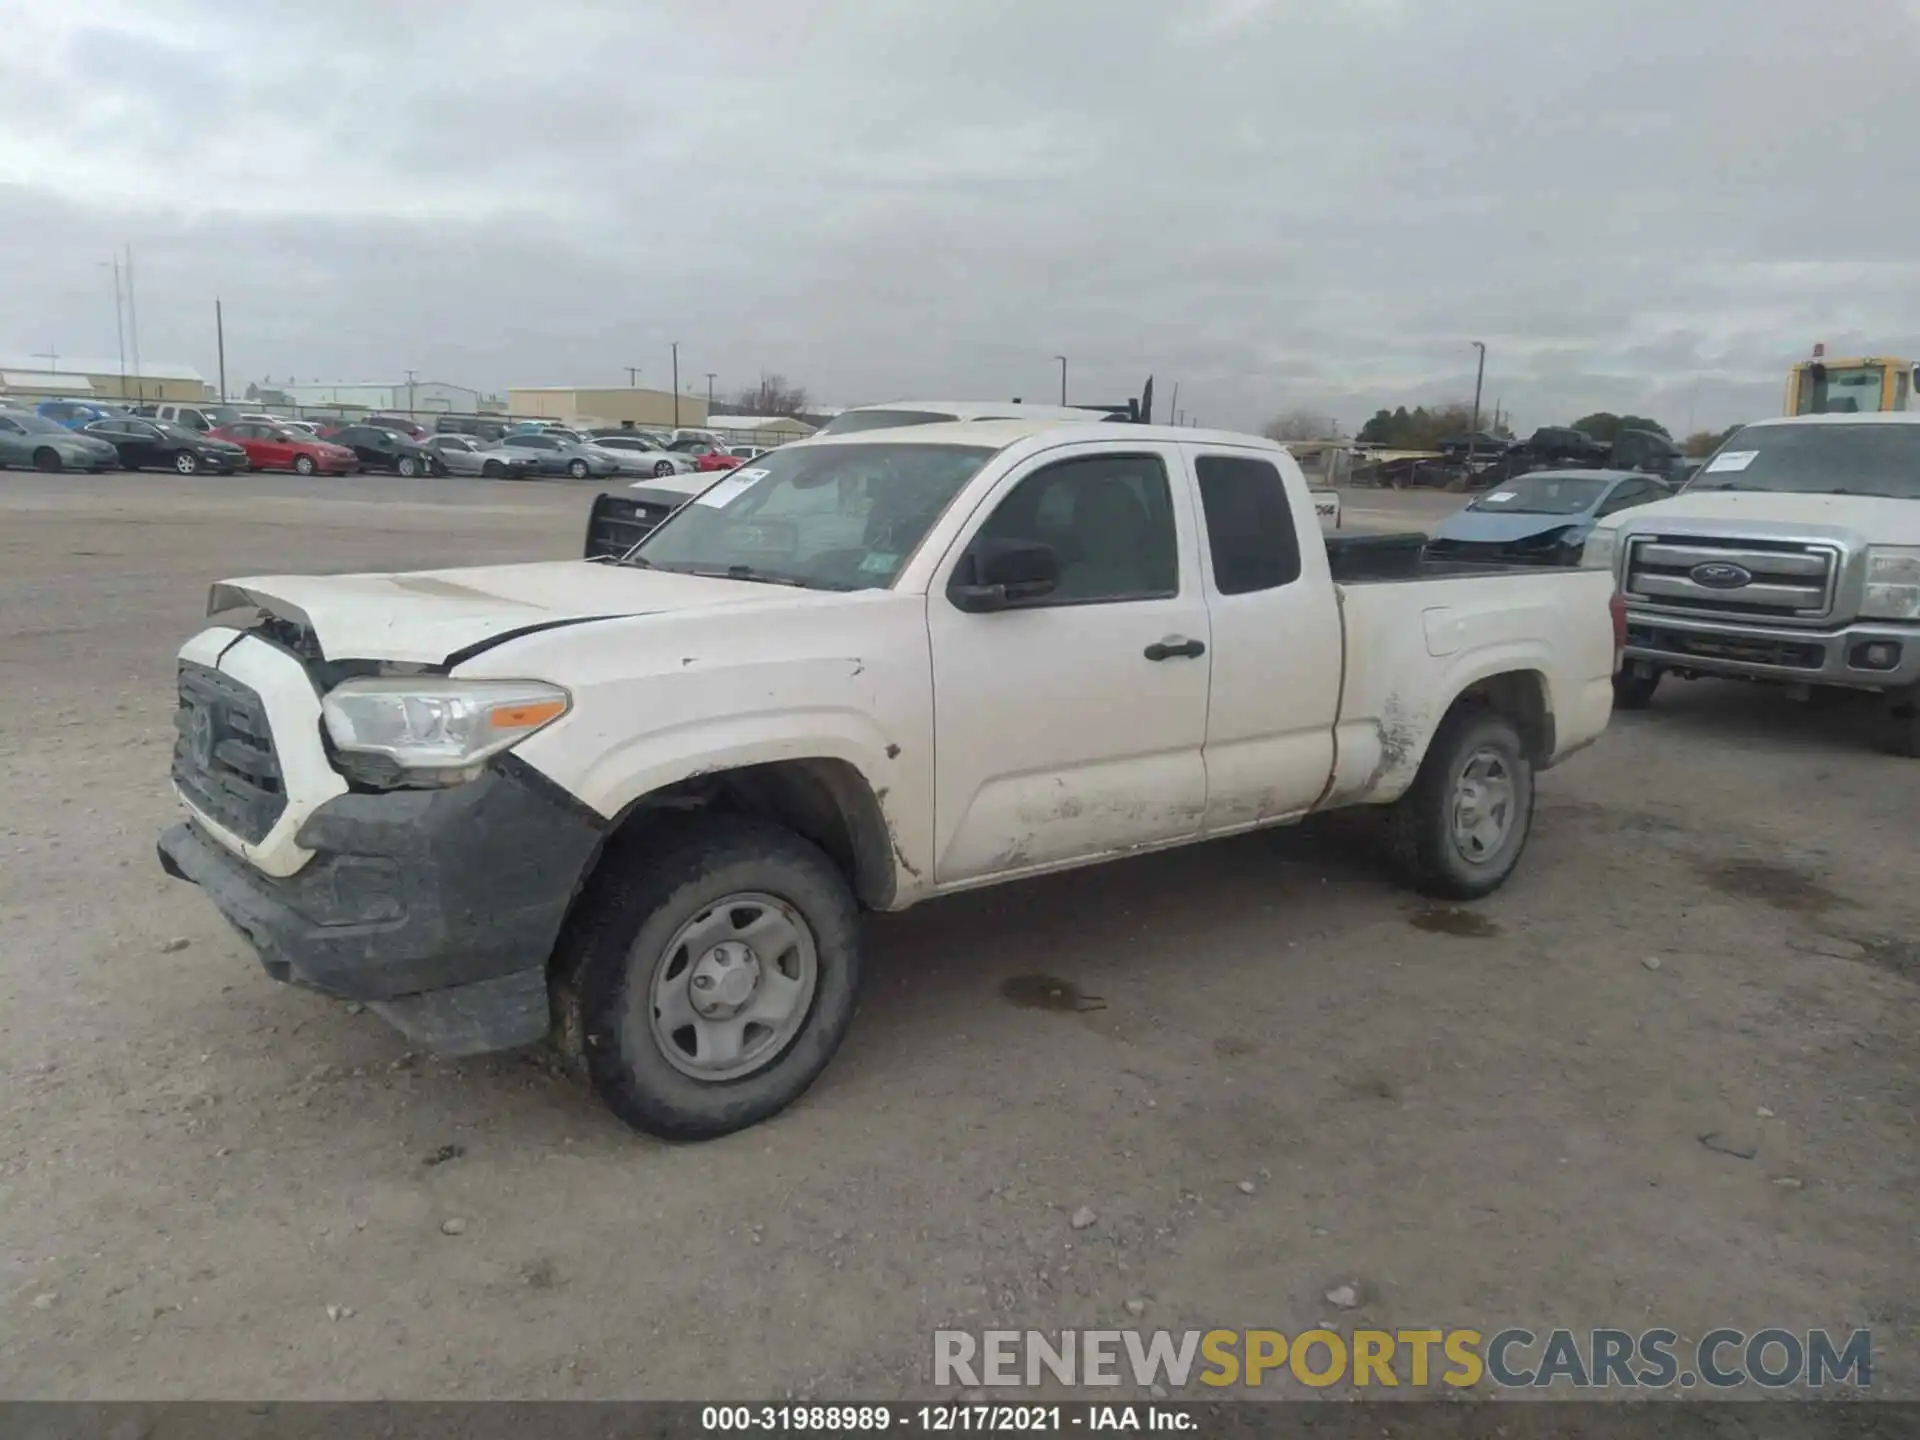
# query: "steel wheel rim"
{"type": "Point", "coordinates": [727, 994]}
{"type": "Point", "coordinates": [1485, 799]}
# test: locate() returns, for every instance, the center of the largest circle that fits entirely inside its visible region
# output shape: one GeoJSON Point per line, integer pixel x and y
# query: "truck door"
{"type": "Point", "coordinates": [1072, 725]}
{"type": "Point", "coordinates": [1277, 646]}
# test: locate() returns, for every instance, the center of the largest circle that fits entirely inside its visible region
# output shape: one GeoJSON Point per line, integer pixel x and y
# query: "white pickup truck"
{"type": "Point", "coordinates": [639, 805]}
{"type": "Point", "coordinates": [1792, 557]}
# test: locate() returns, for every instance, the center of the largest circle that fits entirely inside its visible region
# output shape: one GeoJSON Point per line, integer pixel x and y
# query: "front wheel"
{"type": "Point", "coordinates": [710, 976]}
{"type": "Point", "coordinates": [493, 469]}
{"type": "Point", "coordinates": [407, 466]}
{"type": "Point", "coordinates": [303, 465]}
{"type": "Point", "coordinates": [186, 462]}
{"type": "Point", "coordinates": [1633, 689]}
{"type": "Point", "coordinates": [46, 458]}
{"type": "Point", "coordinates": [1458, 831]}
{"type": "Point", "coordinates": [663, 469]}
{"type": "Point", "coordinates": [578, 469]}
{"type": "Point", "coordinates": [1899, 723]}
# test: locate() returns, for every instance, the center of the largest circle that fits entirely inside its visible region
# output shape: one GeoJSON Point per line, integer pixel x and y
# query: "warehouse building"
{"type": "Point", "coordinates": [408, 397]}
{"type": "Point", "coordinates": [764, 430]}
{"type": "Point", "coordinates": [82, 377]}
{"type": "Point", "coordinates": [651, 408]}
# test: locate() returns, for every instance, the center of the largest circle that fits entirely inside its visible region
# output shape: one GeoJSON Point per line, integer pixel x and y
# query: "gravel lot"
{"type": "Point", "coordinates": [213, 1185]}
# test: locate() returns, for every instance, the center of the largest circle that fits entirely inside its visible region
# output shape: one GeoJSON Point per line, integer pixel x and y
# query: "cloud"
{"type": "Point", "coordinates": [1274, 202]}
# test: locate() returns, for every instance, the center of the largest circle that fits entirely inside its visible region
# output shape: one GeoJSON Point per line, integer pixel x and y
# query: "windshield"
{"type": "Point", "coordinates": [854, 421]}
{"type": "Point", "coordinates": [1844, 390]}
{"type": "Point", "coordinates": [36, 424]}
{"type": "Point", "coordinates": [1872, 459]}
{"type": "Point", "coordinates": [829, 517]}
{"type": "Point", "coordinates": [1543, 495]}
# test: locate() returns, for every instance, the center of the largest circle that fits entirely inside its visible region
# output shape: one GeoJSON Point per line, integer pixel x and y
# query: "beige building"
{"type": "Point", "coordinates": [79, 377]}
{"type": "Point", "coordinates": [763, 430]}
{"type": "Point", "coordinates": [653, 408]}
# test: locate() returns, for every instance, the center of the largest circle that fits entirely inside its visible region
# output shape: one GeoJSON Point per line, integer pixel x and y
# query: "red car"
{"type": "Point", "coordinates": [278, 447]}
{"type": "Point", "coordinates": [707, 457]}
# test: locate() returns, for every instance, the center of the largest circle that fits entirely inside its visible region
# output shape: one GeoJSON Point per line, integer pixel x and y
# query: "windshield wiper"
{"type": "Point", "coordinates": [741, 572]}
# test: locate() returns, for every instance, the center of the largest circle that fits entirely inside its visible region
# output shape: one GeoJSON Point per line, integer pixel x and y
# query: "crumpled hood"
{"type": "Point", "coordinates": [427, 617]}
{"type": "Point", "coordinates": [1490, 527]}
{"type": "Point", "coordinates": [1862, 519]}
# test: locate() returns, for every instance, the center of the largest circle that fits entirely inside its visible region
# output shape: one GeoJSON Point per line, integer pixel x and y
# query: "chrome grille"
{"type": "Point", "coordinates": [618, 523]}
{"type": "Point", "coordinates": [1786, 580]}
{"type": "Point", "coordinates": [223, 757]}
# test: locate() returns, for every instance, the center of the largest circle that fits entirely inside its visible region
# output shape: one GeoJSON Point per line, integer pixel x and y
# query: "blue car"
{"type": "Point", "coordinates": [1543, 517]}
{"type": "Point", "coordinates": [75, 413]}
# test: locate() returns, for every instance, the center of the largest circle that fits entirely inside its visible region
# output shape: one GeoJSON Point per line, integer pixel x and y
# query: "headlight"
{"type": "Point", "coordinates": [1599, 550]}
{"type": "Point", "coordinates": [1893, 583]}
{"type": "Point", "coordinates": [423, 730]}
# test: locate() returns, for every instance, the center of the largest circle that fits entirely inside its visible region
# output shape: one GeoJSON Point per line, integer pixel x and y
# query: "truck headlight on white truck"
{"type": "Point", "coordinates": [1600, 549]}
{"type": "Point", "coordinates": [422, 730]}
{"type": "Point", "coordinates": [1893, 583]}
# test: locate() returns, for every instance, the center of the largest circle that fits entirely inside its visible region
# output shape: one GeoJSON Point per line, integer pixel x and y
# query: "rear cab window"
{"type": "Point", "coordinates": [1252, 540]}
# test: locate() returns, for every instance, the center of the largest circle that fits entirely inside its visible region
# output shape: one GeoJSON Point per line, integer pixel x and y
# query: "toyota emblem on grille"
{"type": "Point", "coordinates": [203, 733]}
{"type": "Point", "coordinates": [1721, 575]}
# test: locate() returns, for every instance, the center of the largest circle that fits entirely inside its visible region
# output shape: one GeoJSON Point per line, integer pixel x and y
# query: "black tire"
{"type": "Point", "coordinates": [47, 459]}
{"type": "Point", "coordinates": [186, 462]}
{"type": "Point", "coordinates": [493, 469]}
{"type": "Point", "coordinates": [303, 465]}
{"type": "Point", "coordinates": [1422, 847]}
{"type": "Point", "coordinates": [639, 901]}
{"type": "Point", "coordinates": [1898, 728]}
{"type": "Point", "coordinates": [406, 465]}
{"type": "Point", "coordinates": [577, 469]}
{"type": "Point", "coordinates": [1633, 690]}
{"type": "Point", "coordinates": [665, 468]}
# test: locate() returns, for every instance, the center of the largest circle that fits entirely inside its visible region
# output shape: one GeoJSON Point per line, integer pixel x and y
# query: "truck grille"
{"type": "Point", "coordinates": [617, 524]}
{"type": "Point", "coordinates": [223, 759]}
{"type": "Point", "coordinates": [1777, 580]}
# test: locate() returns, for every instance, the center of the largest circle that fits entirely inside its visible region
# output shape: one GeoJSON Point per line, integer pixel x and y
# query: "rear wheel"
{"type": "Point", "coordinates": [577, 469]}
{"type": "Point", "coordinates": [1458, 831]}
{"type": "Point", "coordinates": [46, 458]}
{"type": "Point", "coordinates": [1633, 688]}
{"type": "Point", "coordinates": [303, 465]}
{"type": "Point", "coordinates": [709, 976]}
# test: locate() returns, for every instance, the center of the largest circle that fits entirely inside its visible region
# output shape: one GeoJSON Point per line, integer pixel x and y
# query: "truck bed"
{"type": "Point", "coordinates": [1373, 559]}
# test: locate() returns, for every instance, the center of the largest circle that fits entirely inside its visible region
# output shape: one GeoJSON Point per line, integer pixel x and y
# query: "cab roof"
{"type": "Point", "coordinates": [1868, 417]}
{"type": "Point", "coordinates": [999, 434]}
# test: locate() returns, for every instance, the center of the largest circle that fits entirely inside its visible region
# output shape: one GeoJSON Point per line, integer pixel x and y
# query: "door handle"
{"type": "Point", "coordinates": [1175, 647]}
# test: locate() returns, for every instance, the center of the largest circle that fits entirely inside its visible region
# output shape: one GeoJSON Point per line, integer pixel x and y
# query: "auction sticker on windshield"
{"type": "Point", "coordinates": [1499, 497]}
{"type": "Point", "coordinates": [1732, 460]}
{"type": "Point", "coordinates": [738, 483]}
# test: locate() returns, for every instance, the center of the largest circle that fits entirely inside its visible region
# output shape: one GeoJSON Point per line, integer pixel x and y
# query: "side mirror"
{"type": "Point", "coordinates": [1000, 574]}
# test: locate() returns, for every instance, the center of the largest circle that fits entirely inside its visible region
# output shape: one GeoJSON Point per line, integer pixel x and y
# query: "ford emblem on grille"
{"type": "Point", "coordinates": [203, 733]}
{"type": "Point", "coordinates": [1721, 575]}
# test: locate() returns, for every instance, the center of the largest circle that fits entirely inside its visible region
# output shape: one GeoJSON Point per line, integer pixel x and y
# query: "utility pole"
{"type": "Point", "coordinates": [1480, 375]}
{"type": "Point", "coordinates": [1063, 378]}
{"type": "Point", "coordinates": [709, 397]}
{"type": "Point", "coordinates": [1692, 400]}
{"type": "Point", "coordinates": [133, 329]}
{"type": "Point", "coordinates": [119, 322]}
{"type": "Point", "coordinates": [633, 377]}
{"type": "Point", "coordinates": [220, 339]}
{"type": "Point", "coordinates": [51, 356]}
{"type": "Point", "coordinates": [676, 384]}
{"type": "Point", "coordinates": [1173, 405]}
{"type": "Point", "coordinates": [410, 375]}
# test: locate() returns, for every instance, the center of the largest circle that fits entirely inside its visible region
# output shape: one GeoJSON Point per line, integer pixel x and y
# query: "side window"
{"type": "Point", "coordinates": [1634, 492]}
{"type": "Point", "coordinates": [1249, 524]}
{"type": "Point", "coordinates": [1109, 518]}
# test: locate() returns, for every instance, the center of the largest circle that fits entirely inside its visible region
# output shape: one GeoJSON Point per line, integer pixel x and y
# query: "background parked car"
{"type": "Point", "coordinates": [746, 452]}
{"type": "Point", "coordinates": [74, 414]}
{"type": "Point", "coordinates": [631, 432]}
{"type": "Point", "coordinates": [488, 432]}
{"type": "Point", "coordinates": [706, 454]}
{"type": "Point", "coordinates": [555, 456]}
{"type": "Point", "coordinates": [273, 446]}
{"type": "Point", "coordinates": [386, 450]}
{"type": "Point", "coordinates": [27, 439]}
{"type": "Point", "coordinates": [1543, 517]}
{"type": "Point", "coordinates": [192, 417]}
{"type": "Point", "coordinates": [412, 429]}
{"type": "Point", "coordinates": [465, 455]}
{"type": "Point", "coordinates": [642, 455]}
{"type": "Point", "coordinates": [153, 445]}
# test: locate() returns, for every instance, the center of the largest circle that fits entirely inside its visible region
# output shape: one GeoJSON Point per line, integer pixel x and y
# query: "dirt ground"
{"type": "Point", "coordinates": [213, 1185]}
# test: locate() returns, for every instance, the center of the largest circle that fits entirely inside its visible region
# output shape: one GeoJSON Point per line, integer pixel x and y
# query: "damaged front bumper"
{"type": "Point", "coordinates": [437, 909]}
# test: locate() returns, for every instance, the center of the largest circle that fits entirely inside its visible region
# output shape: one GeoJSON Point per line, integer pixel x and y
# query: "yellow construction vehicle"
{"type": "Point", "coordinates": [1831, 387]}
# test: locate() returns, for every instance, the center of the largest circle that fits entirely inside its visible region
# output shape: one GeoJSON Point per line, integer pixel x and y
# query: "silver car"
{"type": "Point", "coordinates": [33, 440]}
{"type": "Point", "coordinates": [554, 456]}
{"type": "Point", "coordinates": [642, 455]}
{"type": "Point", "coordinates": [464, 455]}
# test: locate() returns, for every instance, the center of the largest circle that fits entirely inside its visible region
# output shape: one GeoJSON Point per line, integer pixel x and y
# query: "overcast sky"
{"type": "Point", "coordinates": [1277, 203]}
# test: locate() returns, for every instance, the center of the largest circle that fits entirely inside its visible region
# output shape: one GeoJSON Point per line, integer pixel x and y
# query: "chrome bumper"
{"type": "Point", "coordinates": [1769, 652]}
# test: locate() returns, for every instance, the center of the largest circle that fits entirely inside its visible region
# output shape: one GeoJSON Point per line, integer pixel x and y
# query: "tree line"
{"type": "Point", "coordinates": [1423, 429]}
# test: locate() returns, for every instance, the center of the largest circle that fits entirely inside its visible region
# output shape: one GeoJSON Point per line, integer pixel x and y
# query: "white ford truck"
{"type": "Point", "coordinates": [1792, 557]}
{"type": "Point", "coordinates": [638, 805]}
